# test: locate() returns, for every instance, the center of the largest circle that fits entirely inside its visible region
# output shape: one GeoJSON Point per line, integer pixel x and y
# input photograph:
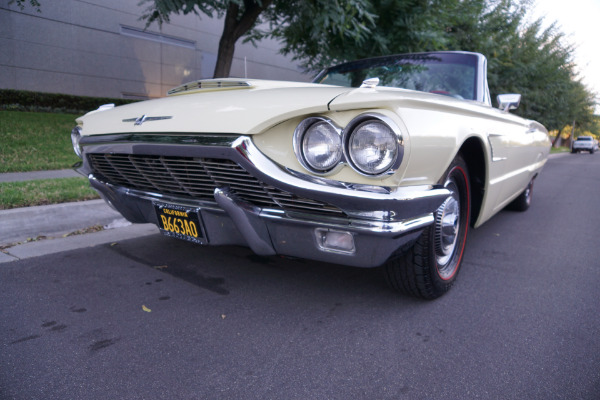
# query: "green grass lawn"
{"type": "Point", "coordinates": [45, 191]}
{"type": "Point", "coordinates": [32, 141]}
{"type": "Point", "coordinates": [555, 150]}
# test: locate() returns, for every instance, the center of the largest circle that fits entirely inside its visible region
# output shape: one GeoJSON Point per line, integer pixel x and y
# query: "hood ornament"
{"type": "Point", "coordinates": [370, 83]}
{"type": "Point", "coordinates": [144, 118]}
{"type": "Point", "coordinates": [140, 120]}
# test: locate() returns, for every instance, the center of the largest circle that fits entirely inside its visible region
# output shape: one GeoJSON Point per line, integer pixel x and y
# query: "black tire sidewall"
{"type": "Point", "coordinates": [415, 271]}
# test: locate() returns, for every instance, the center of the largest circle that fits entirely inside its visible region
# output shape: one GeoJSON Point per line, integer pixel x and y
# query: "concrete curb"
{"type": "Point", "coordinates": [19, 224]}
{"type": "Point", "coordinates": [557, 155]}
{"type": "Point", "coordinates": [54, 221]}
{"type": "Point", "coordinates": [51, 246]}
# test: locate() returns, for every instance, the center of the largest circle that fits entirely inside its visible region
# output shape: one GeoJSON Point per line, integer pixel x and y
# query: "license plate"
{"type": "Point", "coordinates": [180, 222]}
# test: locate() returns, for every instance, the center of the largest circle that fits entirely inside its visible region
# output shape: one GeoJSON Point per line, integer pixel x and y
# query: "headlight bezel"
{"type": "Point", "coordinates": [361, 121]}
{"type": "Point", "coordinates": [299, 144]}
{"type": "Point", "coordinates": [345, 136]}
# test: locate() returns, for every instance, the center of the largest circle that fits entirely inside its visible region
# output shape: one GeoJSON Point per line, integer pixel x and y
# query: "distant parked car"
{"type": "Point", "coordinates": [584, 143]}
{"type": "Point", "coordinates": [379, 162]}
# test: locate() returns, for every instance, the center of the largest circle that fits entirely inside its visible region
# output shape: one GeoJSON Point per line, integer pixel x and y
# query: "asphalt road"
{"type": "Point", "coordinates": [156, 318]}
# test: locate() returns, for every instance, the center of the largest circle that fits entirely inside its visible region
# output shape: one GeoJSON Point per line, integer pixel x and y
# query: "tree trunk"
{"type": "Point", "coordinates": [555, 141]}
{"type": "Point", "coordinates": [224, 56]}
{"type": "Point", "coordinates": [569, 140]}
{"type": "Point", "coordinates": [236, 25]}
{"type": "Point", "coordinates": [572, 132]}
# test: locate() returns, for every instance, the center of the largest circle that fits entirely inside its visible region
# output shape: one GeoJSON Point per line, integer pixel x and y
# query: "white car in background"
{"type": "Point", "coordinates": [584, 143]}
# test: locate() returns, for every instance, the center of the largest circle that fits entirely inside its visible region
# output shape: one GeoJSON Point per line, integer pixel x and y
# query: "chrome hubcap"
{"type": "Point", "coordinates": [447, 226]}
{"type": "Point", "coordinates": [528, 192]}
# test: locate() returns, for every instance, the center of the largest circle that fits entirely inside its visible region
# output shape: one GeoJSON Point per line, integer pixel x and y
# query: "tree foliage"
{"type": "Point", "coordinates": [21, 3]}
{"type": "Point", "coordinates": [241, 17]}
{"type": "Point", "coordinates": [523, 57]}
{"type": "Point", "coordinates": [527, 59]}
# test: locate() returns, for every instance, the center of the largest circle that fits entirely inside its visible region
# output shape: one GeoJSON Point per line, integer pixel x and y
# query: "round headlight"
{"type": "Point", "coordinates": [322, 146]}
{"type": "Point", "coordinates": [373, 147]}
{"type": "Point", "coordinates": [75, 138]}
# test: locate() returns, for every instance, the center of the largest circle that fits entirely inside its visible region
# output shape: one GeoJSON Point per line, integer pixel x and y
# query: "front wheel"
{"type": "Point", "coordinates": [429, 268]}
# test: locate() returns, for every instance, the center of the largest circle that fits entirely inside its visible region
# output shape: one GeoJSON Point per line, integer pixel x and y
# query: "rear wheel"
{"type": "Point", "coordinates": [429, 268]}
{"type": "Point", "coordinates": [523, 202]}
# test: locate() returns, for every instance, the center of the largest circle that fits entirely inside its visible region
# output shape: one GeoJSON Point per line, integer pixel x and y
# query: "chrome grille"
{"type": "Point", "coordinates": [197, 178]}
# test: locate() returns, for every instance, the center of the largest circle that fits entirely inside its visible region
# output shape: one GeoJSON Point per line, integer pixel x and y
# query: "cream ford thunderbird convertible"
{"type": "Point", "coordinates": [384, 162]}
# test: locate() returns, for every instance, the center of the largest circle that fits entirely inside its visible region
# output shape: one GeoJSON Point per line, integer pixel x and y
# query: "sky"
{"type": "Point", "coordinates": [579, 20]}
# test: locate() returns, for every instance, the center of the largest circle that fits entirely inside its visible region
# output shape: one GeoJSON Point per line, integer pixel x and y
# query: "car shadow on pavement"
{"type": "Point", "coordinates": [224, 269]}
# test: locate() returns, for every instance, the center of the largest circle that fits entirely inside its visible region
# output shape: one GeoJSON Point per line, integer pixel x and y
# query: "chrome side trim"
{"type": "Point", "coordinates": [495, 158]}
{"type": "Point", "coordinates": [160, 138]}
{"type": "Point", "coordinates": [365, 227]}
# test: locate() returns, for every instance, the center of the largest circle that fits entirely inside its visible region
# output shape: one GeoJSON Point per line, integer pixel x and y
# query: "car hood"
{"type": "Point", "coordinates": [249, 107]}
{"type": "Point", "coordinates": [215, 106]}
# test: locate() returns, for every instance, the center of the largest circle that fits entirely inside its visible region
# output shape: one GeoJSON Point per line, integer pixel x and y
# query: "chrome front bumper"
{"type": "Point", "coordinates": [380, 220]}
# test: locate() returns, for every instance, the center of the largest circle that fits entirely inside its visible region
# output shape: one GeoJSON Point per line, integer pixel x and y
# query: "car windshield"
{"type": "Point", "coordinates": [587, 138]}
{"type": "Point", "coordinates": [443, 73]}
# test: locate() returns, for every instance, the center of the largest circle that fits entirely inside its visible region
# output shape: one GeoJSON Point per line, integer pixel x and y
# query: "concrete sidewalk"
{"type": "Point", "coordinates": [30, 176]}
{"type": "Point", "coordinates": [35, 231]}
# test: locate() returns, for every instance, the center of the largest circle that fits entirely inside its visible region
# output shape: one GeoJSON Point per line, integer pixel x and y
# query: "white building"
{"type": "Point", "coordinates": [100, 48]}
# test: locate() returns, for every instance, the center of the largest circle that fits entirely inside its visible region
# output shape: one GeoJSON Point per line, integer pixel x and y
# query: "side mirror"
{"type": "Point", "coordinates": [508, 101]}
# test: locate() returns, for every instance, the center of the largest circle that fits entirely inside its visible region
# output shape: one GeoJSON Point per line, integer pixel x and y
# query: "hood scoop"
{"type": "Point", "coordinates": [209, 84]}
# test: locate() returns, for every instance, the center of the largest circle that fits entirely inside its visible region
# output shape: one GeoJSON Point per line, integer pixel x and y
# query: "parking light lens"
{"type": "Point", "coordinates": [335, 241]}
{"type": "Point", "coordinates": [75, 138]}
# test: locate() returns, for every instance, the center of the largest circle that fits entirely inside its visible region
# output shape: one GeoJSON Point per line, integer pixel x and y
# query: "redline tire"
{"type": "Point", "coordinates": [429, 268]}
